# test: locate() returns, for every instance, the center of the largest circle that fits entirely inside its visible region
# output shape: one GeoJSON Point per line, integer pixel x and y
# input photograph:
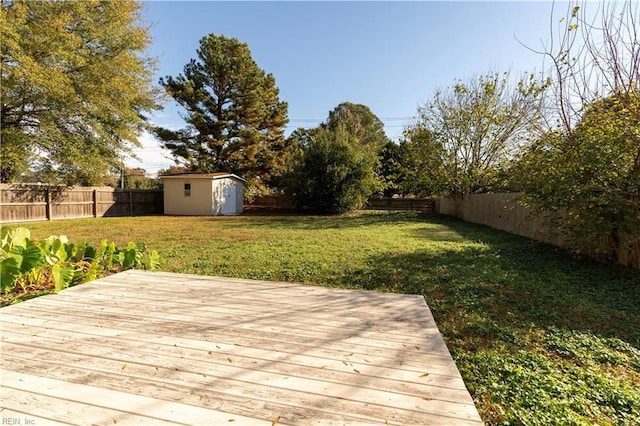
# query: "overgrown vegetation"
{"type": "Point", "coordinates": [587, 163]}
{"type": "Point", "coordinates": [335, 167]}
{"type": "Point", "coordinates": [540, 337]}
{"type": "Point", "coordinates": [466, 135]}
{"type": "Point", "coordinates": [336, 174]}
{"type": "Point", "coordinates": [29, 268]}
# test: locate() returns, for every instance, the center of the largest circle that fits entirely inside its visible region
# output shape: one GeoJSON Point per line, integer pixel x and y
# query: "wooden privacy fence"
{"type": "Point", "coordinates": [414, 204]}
{"type": "Point", "coordinates": [277, 202]}
{"type": "Point", "coordinates": [23, 203]}
{"type": "Point", "coordinates": [502, 211]}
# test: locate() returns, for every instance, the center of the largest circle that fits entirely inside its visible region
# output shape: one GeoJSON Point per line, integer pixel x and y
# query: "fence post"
{"type": "Point", "coordinates": [47, 196]}
{"type": "Point", "coordinates": [95, 202]}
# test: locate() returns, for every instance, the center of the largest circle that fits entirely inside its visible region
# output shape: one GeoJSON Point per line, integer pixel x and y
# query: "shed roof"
{"type": "Point", "coordinates": [211, 176]}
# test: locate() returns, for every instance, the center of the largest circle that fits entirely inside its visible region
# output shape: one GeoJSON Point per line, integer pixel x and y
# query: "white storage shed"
{"type": "Point", "coordinates": [209, 194]}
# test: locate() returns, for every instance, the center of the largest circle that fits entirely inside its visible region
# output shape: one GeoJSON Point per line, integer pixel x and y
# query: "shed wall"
{"type": "Point", "coordinates": [197, 204]}
{"type": "Point", "coordinates": [227, 196]}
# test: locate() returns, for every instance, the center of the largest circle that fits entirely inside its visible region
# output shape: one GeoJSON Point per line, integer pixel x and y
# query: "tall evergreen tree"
{"type": "Point", "coordinates": [235, 120]}
{"type": "Point", "coordinates": [75, 83]}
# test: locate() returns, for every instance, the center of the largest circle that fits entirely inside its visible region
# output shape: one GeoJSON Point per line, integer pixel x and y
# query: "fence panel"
{"type": "Point", "coordinates": [503, 212]}
{"type": "Point", "coordinates": [23, 203]}
{"type": "Point", "coordinates": [413, 204]}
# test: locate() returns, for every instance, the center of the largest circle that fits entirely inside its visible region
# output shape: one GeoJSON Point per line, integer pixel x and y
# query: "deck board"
{"type": "Point", "coordinates": [156, 348]}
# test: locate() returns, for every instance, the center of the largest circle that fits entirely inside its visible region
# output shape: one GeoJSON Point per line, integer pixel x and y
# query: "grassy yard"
{"type": "Point", "coordinates": [539, 337]}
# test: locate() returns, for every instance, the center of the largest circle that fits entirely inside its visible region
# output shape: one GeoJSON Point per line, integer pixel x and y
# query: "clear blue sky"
{"type": "Point", "coordinates": [390, 56]}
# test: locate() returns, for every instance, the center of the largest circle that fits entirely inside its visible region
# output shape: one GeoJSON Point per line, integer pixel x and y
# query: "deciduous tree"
{"type": "Point", "coordinates": [336, 173]}
{"type": "Point", "coordinates": [360, 122]}
{"type": "Point", "coordinates": [390, 168]}
{"type": "Point", "coordinates": [588, 162]}
{"type": "Point", "coordinates": [468, 130]}
{"type": "Point", "coordinates": [75, 83]}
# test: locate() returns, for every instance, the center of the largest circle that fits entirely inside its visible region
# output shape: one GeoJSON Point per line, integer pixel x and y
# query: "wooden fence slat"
{"type": "Point", "coordinates": [23, 203]}
{"type": "Point", "coordinates": [387, 203]}
{"type": "Point", "coordinates": [502, 211]}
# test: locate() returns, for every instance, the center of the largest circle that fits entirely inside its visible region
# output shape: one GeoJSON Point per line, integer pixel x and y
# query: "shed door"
{"type": "Point", "coordinates": [228, 198]}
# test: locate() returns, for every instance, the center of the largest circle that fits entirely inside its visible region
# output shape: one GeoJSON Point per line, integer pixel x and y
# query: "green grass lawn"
{"type": "Point", "coordinates": [539, 337]}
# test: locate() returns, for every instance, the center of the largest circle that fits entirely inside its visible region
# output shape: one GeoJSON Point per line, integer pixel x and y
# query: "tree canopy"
{"type": "Point", "coordinates": [467, 131]}
{"type": "Point", "coordinates": [360, 122]}
{"type": "Point", "coordinates": [587, 164]}
{"type": "Point", "coordinates": [75, 85]}
{"type": "Point", "coordinates": [335, 167]}
{"type": "Point", "coordinates": [336, 174]}
{"type": "Point", "coordinates": [235, 120]}
{"type": "Point", "coordinates": [591, 173]}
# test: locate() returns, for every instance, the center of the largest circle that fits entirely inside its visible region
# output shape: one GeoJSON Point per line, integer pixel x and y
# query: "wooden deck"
{"type": "Point", "coordinates": [160, 348]}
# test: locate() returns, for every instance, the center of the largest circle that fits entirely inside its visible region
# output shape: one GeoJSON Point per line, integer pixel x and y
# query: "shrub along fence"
{"type": "Point", "coordinates": [28, 202]}
{"type": "Point", "coordinates": [502, 211]}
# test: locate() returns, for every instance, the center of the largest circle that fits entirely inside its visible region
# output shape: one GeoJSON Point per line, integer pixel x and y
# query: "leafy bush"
{"type": "Point", "coordinates": [337, 174]}
{"type": "Point", "coordinates": [28, 266]}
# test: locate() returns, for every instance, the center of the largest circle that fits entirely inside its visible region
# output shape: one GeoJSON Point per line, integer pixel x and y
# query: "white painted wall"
{"type": "Point", "coordinates": [225, 195]}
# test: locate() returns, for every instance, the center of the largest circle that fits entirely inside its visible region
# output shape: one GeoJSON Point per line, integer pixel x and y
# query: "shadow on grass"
{"type": "Point", "coordinates": [501, 285]}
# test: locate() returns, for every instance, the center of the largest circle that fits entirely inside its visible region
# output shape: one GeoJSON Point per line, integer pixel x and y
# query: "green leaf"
{"type": "Point", "coordinates": [94, 271]}
{"type": "Point", "coordinates": [90, 252]}
{"type": "Point", "coordinates": [27, 258]}
{"type": "Point", "coordinates": [10, 237]}
{"type": "Point", "coordinates": [62, 276]}
{"type": "Point", "coordinates": [9, 272]}
{"type": "Point", "coordinates": [153, 261]}
{"type": "Point", "coordinates": [129, 259]}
